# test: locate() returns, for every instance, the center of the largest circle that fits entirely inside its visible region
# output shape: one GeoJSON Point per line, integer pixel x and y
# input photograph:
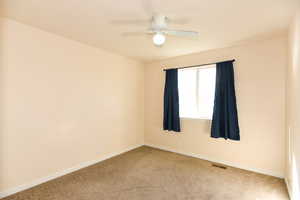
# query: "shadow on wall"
{"type": "Point", "coordinates": [1, 104]}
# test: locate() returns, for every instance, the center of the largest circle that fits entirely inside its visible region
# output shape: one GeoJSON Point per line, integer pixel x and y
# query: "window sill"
{"type": "Point", "coordinates": [196, 118]}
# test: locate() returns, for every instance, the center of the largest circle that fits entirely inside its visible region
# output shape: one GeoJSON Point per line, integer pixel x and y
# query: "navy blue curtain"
{"type": "Point", "coordinates": [225, 119]}
{"type": "Point", "coordinates": [171, 101]}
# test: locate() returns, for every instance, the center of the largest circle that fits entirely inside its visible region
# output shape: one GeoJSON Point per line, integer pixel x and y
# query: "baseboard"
{"type": "Point", "coordinates": [288, 188]}
{"type": "Point", "coordinates": [88, 163]}
{"type": "Point", "coordinates": [61, 173]}
{"type": "Point", "coordinates": [260, 171]}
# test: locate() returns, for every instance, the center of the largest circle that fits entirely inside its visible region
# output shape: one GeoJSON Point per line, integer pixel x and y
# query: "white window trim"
{"type": "Point", "coordinates": [197, 118]}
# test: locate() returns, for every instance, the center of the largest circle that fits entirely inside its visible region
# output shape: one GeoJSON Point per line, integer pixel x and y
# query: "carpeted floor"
{"type": "Point", "coordinates": [146, 173]}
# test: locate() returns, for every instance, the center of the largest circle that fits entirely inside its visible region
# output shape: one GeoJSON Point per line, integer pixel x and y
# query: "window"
{"type": "Point", "coordinates": [196, 92]}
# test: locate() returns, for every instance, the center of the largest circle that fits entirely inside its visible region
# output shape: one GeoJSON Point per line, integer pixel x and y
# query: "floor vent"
{"type": "Point", "coordinates": [219, 166]}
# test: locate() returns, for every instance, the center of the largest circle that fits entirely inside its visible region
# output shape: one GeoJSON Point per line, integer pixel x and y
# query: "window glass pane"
{"type": "Point", "coordinates": [196, 92]}
{"type": "Point", "coordinates": [187, 92]}
{"type": "Point", "coordinates": [206, 91]}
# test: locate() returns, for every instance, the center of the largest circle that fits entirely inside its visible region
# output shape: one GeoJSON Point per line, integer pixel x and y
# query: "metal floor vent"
{"type": "Point", "coordinates": [218, 166]}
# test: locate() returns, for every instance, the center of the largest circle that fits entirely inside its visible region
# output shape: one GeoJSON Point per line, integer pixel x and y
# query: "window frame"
{"type": "Point", "coordinates": [198, 69]}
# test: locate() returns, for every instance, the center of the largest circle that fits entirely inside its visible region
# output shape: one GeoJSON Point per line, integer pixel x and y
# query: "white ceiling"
{"type": "Point", "coordinates": [221, 23]}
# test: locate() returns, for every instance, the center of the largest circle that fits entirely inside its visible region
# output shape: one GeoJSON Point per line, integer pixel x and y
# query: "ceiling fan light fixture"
{"type": "Point", "coordinates": [159, 39]}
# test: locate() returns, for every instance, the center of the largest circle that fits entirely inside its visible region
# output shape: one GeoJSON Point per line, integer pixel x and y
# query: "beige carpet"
{"type": "Point", "coordinates": [147, 173]}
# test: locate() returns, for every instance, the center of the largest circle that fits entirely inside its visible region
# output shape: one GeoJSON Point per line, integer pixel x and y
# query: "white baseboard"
{"type": "Point", "coordinates": [61, 173]}
{"type": "Point", "coordinates": [260, 171]}
{"type": "Point", "coordinates": [288, 188]}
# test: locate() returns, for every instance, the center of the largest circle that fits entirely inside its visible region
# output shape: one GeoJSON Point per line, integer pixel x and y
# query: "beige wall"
{"type": "Point", "coordinates": [63, 103]}
{"type": "Point", "coordinates": [260, 86]}
{"type": "Point", "coordinates": [293, 110]}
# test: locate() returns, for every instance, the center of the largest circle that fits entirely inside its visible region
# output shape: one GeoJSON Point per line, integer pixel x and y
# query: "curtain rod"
{"type": "Point", "coordinates": [200, 65]}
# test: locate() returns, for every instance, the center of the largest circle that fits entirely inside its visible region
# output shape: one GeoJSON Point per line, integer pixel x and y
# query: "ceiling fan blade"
{"type": "Point", "coordinates": [181, 33]}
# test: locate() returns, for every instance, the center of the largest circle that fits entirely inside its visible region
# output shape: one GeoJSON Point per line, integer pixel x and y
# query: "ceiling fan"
{"type": "Point", "coordinates": [159, 30]}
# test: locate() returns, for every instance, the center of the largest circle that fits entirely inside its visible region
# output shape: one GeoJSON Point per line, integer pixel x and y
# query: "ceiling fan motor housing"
{"type": "Point", "coordinates": [159, 22]}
